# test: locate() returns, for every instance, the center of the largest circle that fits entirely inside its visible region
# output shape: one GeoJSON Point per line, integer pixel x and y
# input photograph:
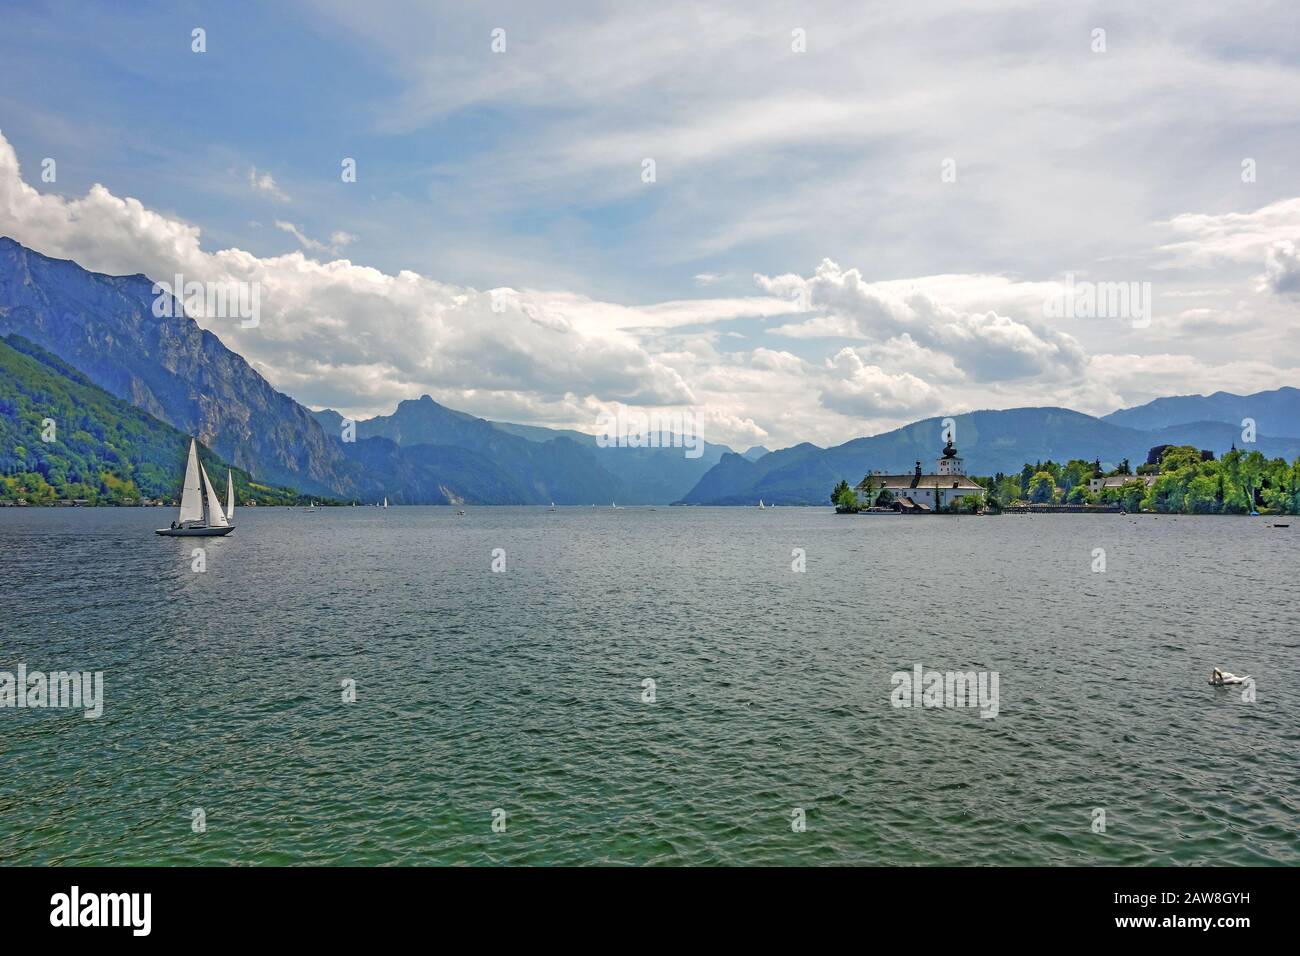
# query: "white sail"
{"type": "Point", "coordinates": [230, 495]}
{"type": "Point", "coordinates": [191, 491]}
{"type": "Point", "coordinates": [216, 517]}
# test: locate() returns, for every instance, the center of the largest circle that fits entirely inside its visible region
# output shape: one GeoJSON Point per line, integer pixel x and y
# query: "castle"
{"type": "Point", "coordinates": [926, 492]}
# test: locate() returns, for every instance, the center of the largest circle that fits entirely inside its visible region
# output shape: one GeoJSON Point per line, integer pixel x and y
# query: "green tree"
{"type": "Point", "coordinates": [1042, 488]}
{"type": "Point", "coordinates": [838, 492]}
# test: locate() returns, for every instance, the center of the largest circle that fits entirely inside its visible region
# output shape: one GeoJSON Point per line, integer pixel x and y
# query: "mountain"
{"type": "Point", "coordinates": [647, 475]}
{"type": "Point", "coordinates": [559, 470]}
{"type": "Point", "coordinates": [439, 474]}
{"type": "Point", "coordinates": [576, 471]}
{"type": "Point", "coordinates": [103, 333]}
{"type": "Point", "coordinates": [990, 442]}
{"type": "Point", "coordinates": [329, 420]}
{"type": "Point", "coordinates": [1276, 412]}
{"type": "Point", "coordinates": [104, 326]}
{"type": "Point", "coordinates": [103, 449]}
{"type": "Point", "coordinates": [756, 452]}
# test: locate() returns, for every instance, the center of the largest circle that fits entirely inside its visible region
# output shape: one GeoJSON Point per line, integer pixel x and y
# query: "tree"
{"type": "Point", "coordinates": [839, 489]}
{"type": "Point", "coordinates": [845, 498]}
{"type": "Point", "coordinates": [1131, 494]}
{"type": "Point", "coordinates": [1178, 457]}
{"type": "Point", "coordinates": [1042, 488]}
{"type": "Point", "coordinates": [868, 488]}
{"type": "Point", "coordinates": [1076, 473]}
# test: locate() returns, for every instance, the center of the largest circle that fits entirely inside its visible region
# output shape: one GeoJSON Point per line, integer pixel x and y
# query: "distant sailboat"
{"type": "Point", "coordinates": [552, 508]}
{"type": "Point", "coordinates": [230, 496]}
{"type": "Point", "coordinates": [200, 514]}
{"type": "Point", "coordinates": [760, 503]}
{"type": "Point", "coordinates": [385, 502]}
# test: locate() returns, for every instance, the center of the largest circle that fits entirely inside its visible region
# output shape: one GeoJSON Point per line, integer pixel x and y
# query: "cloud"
{"type": "Point", "coordinates": [821, 357]}
{"type": "Point", "coordinates": [327, 327]}
{"type": "Point", "coordinates": [1282, 268]}
{"type": "Point", "coordinates": [868, 391]}
{"type": "Point", "coordinates": [265, 183]}
{"type": "Point", "coordinates": [337, 240]}
{"type": "Point", "coordinates": [984, 346]}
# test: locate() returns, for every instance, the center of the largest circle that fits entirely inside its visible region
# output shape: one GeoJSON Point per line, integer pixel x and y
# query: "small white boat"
{"type": "Point", "coordinates": [552, 507]}
{"type": "Point", "coordinates": [200, 514]}
{"type": "Point", "coordinates": [760, 503]}
{"type": "Point", "coordinates": [385, 502]}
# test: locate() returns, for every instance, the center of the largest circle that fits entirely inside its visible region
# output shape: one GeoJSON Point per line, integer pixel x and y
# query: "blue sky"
{"type": "Point", "coordinates": [783, 175]}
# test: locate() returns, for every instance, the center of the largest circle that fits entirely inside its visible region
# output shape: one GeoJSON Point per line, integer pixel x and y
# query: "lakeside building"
{"type": "Point", "coordinates": [1097, 485]}
{"type": "Point", "coordinates": [927, 492]}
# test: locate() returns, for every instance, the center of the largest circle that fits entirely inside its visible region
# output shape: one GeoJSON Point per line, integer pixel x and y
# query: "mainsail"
{"type": "Point", "coordinates": [230, 495]}
{"type": "Point", "coordinates": [216, 517]}
{"type": "Point", "coordinates": [191, 493]}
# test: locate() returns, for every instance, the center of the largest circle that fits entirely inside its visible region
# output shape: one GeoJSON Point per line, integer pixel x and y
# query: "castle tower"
{"type": "Point", "coordinates": [950, 463]}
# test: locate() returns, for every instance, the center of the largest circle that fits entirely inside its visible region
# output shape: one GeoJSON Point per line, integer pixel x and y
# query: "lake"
{"type": "Point", "coordinates": [505, 717]}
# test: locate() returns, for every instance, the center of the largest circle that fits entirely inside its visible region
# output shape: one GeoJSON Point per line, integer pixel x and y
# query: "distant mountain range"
{"type": "Point", "coordinates": [424, 453]}
{"type": "Point", "coordinates": [990, 442]}
{"type": "Point", "coordinates": [521, 471]}
{"type": "Point", "coordinates": [1274, 413]}
{"type": "Point", "coordinates": [99, 332]}
{"type": "Point", "coordinates": [564, 466]}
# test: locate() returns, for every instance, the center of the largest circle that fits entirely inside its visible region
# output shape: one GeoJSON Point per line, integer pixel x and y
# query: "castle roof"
{"type": "Point", "coordinates": [945, 482]}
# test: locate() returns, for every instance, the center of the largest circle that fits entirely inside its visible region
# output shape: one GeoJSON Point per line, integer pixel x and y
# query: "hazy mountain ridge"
{"type": "Point", "coordinates": [648, 475]}
{"type": "Point", "coordinates": [559, 470]}
{"type": "Point", "coordinates": [989, 441]}
{"type": "Point", "coordinates": [587, 473]}
{"type": "Point", "coordinates": [1275, 412]}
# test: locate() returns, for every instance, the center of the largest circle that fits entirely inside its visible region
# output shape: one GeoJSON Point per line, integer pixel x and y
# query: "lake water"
{"type": "Point", "coordinates": [523, 690]}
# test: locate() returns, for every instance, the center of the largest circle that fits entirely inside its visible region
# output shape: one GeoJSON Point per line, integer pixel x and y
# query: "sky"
{"type": "Point", "coordinates": [801, 221]}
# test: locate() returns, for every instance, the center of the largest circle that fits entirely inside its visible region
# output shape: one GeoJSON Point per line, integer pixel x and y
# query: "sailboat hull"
{"type": "Point", "coordinates": [195, 532]}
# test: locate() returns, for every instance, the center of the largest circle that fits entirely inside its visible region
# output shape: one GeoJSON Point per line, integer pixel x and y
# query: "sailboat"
{"type": "Point", "coordinates": [552, 508]}
{"type": "Point", "coordinates": [385, 502]}
{"type": "Point", "coordinates": [201, 514]}
{"type": "Point", "coordinates": [760, 503]}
